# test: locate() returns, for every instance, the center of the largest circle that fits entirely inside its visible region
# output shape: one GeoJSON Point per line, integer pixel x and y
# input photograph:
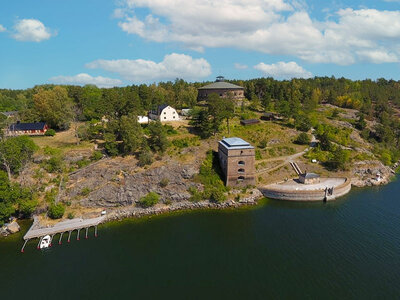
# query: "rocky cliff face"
{"type": "Point", "coordinates": [119, 182]}
{"type": "Point", "coordinates": [365, 173]}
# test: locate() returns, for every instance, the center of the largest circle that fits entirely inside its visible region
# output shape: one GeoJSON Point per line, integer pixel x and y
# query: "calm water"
{"type": "Point", "coordinates": [349, 249]}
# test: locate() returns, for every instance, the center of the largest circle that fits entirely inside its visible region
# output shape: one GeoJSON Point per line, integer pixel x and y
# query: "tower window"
{"type": "Point", "coordinates": [240, 178]}
{"type": "Point", "coordinates": [241, 171]}
{"type": "Point", "coordinates": [241, 163]}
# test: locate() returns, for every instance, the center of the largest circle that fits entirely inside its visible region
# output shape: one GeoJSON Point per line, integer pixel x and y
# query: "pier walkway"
{"type": "Point", "coordinates": [62, 227]}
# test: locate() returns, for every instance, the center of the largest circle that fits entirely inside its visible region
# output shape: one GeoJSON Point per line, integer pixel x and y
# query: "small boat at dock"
{"type": "Point", "coordinates": [45, 242]}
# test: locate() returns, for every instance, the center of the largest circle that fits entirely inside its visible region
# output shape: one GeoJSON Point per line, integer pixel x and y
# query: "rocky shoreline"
{"type": "Point", "coordinates": [372, 173]}
{"type": "Point", "coordinates": [138, 212]}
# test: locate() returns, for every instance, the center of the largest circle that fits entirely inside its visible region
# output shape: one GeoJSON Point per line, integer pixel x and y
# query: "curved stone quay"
{"type": "Point", "coordinates": [325, 189]}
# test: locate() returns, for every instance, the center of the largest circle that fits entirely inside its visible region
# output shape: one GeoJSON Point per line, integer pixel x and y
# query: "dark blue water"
{"type": "Point", "coordinates": [349, 249]}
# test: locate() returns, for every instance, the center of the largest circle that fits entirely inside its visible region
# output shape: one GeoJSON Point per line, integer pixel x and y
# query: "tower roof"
{"type": "Point", "coordinates": [235, 143]}
{"type": "Point", "coordinates": [219, 84]}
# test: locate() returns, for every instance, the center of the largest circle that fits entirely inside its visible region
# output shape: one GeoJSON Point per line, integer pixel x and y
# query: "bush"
{"type": "Point", "coordinates": [217, 196]}
{"type": "Point", "coordinates": [54, 164]}
{"type": "Point", "coordinates": [164, 182]}
{"type": "Point", "coordinates": [149, 200]}
{"type": "Point", "coordinates": [50, 132]}
{"type": "Point", "coordinates": [56, 211]}
{"type": "Point", "coordinates": [145, 158]}
{"type": "Point", "coordinates": [303, 139]}
{"type": "Point", "coordinates": [263, 143]}
{"type": "Point", "coordinates": [26, 208]}
{"type": "Point", "coordinates": [196, 195]}
{"type": "Point", "coordinates": [71, 215]}
{"type": "Point", "coordinates": [85, 191]}
{"type": "Point", "coordinates": [96, 155]}
{"type": "Point", "coordinates": [83, 163]}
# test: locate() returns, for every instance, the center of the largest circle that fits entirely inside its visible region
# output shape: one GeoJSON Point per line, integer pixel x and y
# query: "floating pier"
{"type": "Point", "coordinates": [60, 228]}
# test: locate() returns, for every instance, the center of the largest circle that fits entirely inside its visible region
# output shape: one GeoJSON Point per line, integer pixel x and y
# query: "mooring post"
{"type": "Point", "coordinates": [87, 228]}
{"type": "Point", "coordinates": [22, 250]}
{"type": "Point", "coordinates": [51, 241]}
{"type": "Point", "coordinates": [95, 231]}
{"type": "Point", "coordinates": [40, 240]}
{"type": "Point", "coordinates": [60, 240]}
{"type": "Point", "coordinates": [69, 236]}
{"type": "Point", "coordinates": [77, 237]}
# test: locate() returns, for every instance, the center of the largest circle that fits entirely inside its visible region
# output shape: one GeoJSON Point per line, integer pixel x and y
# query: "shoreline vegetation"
{"type": "Point", "coordinates": [98, 157]}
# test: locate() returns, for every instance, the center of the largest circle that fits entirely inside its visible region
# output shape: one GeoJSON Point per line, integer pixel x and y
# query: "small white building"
{"type": "Point", "coordinates": [143, 119]}
{"type": "Point", "coordinates": [164, 113]}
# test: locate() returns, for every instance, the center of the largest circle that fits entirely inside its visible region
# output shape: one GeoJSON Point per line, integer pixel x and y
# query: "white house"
{"type": "Point", "coordinates": [143, 119]}
{"type": "Point", "coordinates": [164, 113]}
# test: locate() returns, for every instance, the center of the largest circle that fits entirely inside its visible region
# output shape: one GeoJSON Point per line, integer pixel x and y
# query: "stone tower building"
{"type": "Point", "coordinates": [221, 88]}
{"type": "Point", "coordinates": [237, 160]}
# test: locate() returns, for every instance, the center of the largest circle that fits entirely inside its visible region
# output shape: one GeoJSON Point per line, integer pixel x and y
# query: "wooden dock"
{"type": "Point", "coordinates": [61, 228]}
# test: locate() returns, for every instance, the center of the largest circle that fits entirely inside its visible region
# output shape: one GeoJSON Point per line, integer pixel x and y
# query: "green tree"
{"type": "Point", "coordinates": [219, 109]}
{"type": "Point", "coordinates": [158, 140]}
{"type": "Point", "coordinates": [56, 211]}
{"type": "Point", "coordinates": [131, 134]}
{"type": "Point", "coordinates": [339, 160]}
{"type": "Point", "coordinates": [303, 139]}
{"type": "Point", "coordinates": [200, 119]}
{"type": "Point", "coordinates": [54, 107]}
{"type": "Point", "coordinates": [149, 200]}
{"type": "Point", "coordinates": [15, 153]}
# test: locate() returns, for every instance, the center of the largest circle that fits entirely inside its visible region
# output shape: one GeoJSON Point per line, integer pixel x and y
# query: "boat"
{"type": "Point", "coordinates": [45, 242]}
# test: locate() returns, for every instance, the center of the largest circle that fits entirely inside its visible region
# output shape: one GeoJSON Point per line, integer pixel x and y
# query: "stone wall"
{"type": "Point", "coordinates": [304, 195]}
{"type": "Point", "coordinates": [237, 94]}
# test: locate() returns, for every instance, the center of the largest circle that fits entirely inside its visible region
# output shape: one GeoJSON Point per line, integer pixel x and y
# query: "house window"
{"type": "Point", "coordinates": [241, 171]}
{"type": "Point", "coordinates": [165, 112]}
{"type": "Point", "coordinates": [240, 178]}
{"type": "Point", "coordinates": [165, 118]}
{"type": "Point", "coordinates": [174, 117]}
{"type": "Point", "coordinates": [173, 113]}
{"type": "Point", "coordinates": [220, 95]}
{"type": "Point", "coordinates": [241, 163]}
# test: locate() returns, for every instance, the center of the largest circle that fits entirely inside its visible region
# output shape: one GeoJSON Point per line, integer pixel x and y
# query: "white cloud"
{"type": "Point", "coordinates": [240, 66]}
{"type": "Point", "coordinates": [268, 26]}
{"type": "Point", "coordinates": [173, 66]}
{"type": "Point", "coordinates": [2, 28]}
{"type": "Point", "coordinates": [283, 70]}
{"type": "Point", "coordinates": [31, 30]}
{"type": "Point", "coordinates": [83, 78]}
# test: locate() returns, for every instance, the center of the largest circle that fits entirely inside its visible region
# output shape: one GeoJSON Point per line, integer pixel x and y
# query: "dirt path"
{"type": "Point", "coordinates": [286, 160]}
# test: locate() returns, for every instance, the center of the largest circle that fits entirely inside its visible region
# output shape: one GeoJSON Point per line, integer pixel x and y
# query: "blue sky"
{"type": "Point", "coordinates": [121, 42]}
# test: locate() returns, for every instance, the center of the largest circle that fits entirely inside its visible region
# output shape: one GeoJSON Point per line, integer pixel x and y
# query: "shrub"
{"type": "Point", "coordinates": [26, 208]}
{"type": "Point", "coordinates": [56, 211]}
{"type": "Point", "coordinates": [96, 155]}
{"type": "Point", "coordinates": [149, 200]}
{"type": "Point", "coordinates": [263, 143]}
{"type": "Point", "coordinates": [82, 163]}
{"type": "Point", "coordinates": [164, 182]}
{"type": "Point", "coordinates": [85, 191]}
{"type": "Point", "coordinates": [50, 132]}
{"type": "Point", "coordinates": [303, 139]}
{"type": "Point", "coordinates": [54, 164]}
{"type": "Point", "coordinates": [170, 130]}
{"type": "Point", "coordinates": [145, 158]}
{"type": "Point", "coordinates": [71, 215]}
{"type": "Point", "coordinates": [196, 195]}
{"type": "Point", "coordinates": [217, 196]}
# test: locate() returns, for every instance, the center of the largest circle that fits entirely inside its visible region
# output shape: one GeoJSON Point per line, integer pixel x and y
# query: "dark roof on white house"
{"type": "Point", "coordinates": [27, 126]}
{"type": "Point", "coordinates": [159, 109]}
